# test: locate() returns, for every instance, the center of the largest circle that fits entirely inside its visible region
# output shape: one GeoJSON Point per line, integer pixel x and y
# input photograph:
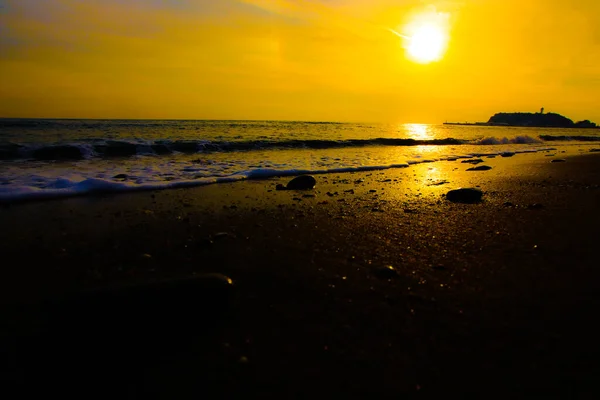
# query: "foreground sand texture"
{"type": "Point", "coordinates": [499, 297]}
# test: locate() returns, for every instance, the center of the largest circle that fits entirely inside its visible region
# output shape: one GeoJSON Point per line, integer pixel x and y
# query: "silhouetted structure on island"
{"type": "Point", "coordinates": [537, 120]}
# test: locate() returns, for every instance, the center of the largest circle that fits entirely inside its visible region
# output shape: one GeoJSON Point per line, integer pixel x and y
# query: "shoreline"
{"type": "Point", "coordinates": [486, 298]}
{"type": "Point", "coordinates": [63, 188]}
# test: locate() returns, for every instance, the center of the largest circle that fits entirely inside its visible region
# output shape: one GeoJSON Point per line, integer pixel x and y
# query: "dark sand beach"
{"type": "Point", "coordinates": [495, 298]}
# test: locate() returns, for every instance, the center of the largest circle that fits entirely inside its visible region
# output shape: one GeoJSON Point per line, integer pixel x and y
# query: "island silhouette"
{"type": "Point", "coordinates": [535, 120]}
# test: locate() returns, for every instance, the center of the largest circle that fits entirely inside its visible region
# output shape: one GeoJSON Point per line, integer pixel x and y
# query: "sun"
{"type": "Point", "coordinates": [426, 37]}
{"type": "Point", "coordinates": [427, 43]}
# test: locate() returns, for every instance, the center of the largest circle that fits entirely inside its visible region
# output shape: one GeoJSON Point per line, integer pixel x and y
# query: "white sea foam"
{"type": "Point", "coordinates": [522, 139]}
{"type": "Point", "coordinates": [42, 180]}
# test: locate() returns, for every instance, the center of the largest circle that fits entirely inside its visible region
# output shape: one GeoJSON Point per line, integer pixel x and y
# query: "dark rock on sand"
{"type": "Point", "coordinates": [595, 151]}
{"type": "Point", "coordinates": [387, 272]}
{"type": "Point", "coordinates": [464, 195]}
{"type": "Point", "coordinates": [302, 182]}
{"type": "Point", "coordinates": [121, 177]}
{"type": "Point", "coordinates": [507, 154]}
{"type": "Point", "coordinates": [476, 161]}
{"type": "Point", "coordinates": [9, 151]}
{"type": "Point", "coordinates": [480, 168]}
{"type": "Point", "coordinates": [58, 153]}
{"type": "Point", "coordinates": [161, 305]}
{"type": "Point", "coordinates": [558, 160]}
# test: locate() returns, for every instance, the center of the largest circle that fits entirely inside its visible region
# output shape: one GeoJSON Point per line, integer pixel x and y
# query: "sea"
{"type": "Point", "coordinates": [49, 158]}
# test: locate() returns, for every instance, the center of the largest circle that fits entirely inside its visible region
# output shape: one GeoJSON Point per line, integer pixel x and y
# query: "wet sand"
{"type": "Point", "coordinates": [493, 298]}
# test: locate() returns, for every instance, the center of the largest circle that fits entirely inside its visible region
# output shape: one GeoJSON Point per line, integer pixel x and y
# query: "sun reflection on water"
{"type": "Point", "coordinates": [418, 131]}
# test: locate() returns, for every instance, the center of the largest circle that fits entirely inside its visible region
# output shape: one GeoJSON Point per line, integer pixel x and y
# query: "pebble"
{"type": "Point", "coordinates": [558, 160]}
{"type": "Point", "coordinates": [480, 168]}
{"type": "Point", "coordinates": [464, 195]}
{"type": "Point", "coordinates": [476, 161]}
{"type": "Point", "coordinates": [302, 182]}
{"type": "Point", "coordinates": [142, 307]}
{"type": "Point", "coordinates": [438, 183]}
{"type": "Point", "coordinates": [507, 154]}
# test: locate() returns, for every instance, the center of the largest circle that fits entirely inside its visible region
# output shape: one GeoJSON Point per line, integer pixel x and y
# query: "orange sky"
{"type": "Point", "coordinates": [332, 60]}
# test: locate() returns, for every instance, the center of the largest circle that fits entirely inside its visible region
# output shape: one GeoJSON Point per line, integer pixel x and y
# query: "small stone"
{"type": "Point", "coordinates": [137, 308]}
{"type": "Point", "coordinates": [594, 150]}
{"type": "Point", "coordinates": [302, 182]}
{"type": "Point", "coordinates": [120, 177]}
{"type": "Point", "coordinates": [464, 195]}
{"type": "Point", "coordinates": [438, 183]}
{"type": "Point", "coordinates": [507, 154]}
{"type": "Point", "coordinates": [387, 272]}
{"type": "Point", "coordinates": [558, 160]}
{"type": "Point", "coordinates": [476, 161]}
{"type": "Point", "coordinates": [372, 191]}
{"type": "Point", "coordinates": [480, 168]}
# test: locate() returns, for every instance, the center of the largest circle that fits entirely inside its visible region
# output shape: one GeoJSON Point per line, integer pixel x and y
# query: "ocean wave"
{"type": "Point", "coordinates": [551, 138]}
{"type": "Point", "coordinates": [505, 140]}
{"type": "Point", "coordinates": [103, 149]}
{"type": "Point", "coordinates": [19, 185]}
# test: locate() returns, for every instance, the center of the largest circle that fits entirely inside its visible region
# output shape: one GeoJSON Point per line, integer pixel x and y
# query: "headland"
{"type": "Point", "coordinates": [533, 120]}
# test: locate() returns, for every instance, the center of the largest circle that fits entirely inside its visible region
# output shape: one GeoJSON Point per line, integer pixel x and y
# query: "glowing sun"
{"type": "Point", "coordinates": [427, 44]}
{"type": "Point", "coordinates": [426, 37]}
